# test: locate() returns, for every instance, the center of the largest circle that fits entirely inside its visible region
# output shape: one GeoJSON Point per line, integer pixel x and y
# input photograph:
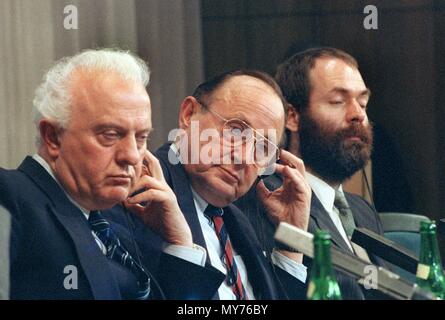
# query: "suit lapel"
{"type": "Point", "coordinates": [364, 217]}
{"type": "Point", "coordinates": [243, 238]}
{"type": "Point", "coordinates": [94, 264]}
{"type": "Point", "coordinates": [323, 221]}
{"type": "Point", "coordinates": [179, 182]}
{"type": "Point", "coordinates": [318, 214]}
{"type": "Point", "coordinates": [361, 218]}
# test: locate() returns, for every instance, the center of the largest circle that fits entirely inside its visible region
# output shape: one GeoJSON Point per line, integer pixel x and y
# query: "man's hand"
{"type": "Point", "coordinates": [161, 211]}
{"type": "Point", "coordinates": [291, 202]}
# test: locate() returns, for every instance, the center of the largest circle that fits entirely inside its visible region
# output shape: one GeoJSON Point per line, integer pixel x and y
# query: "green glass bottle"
{"type": "Point", "coordinates": [322, 285]}
{"type": "Point", "coordinates": [429, 270]}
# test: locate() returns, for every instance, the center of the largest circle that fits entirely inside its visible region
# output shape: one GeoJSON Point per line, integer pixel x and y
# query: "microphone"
{"type": "Point", "coordinates": [388, 283]}
{"type": "Point", "coordinates": [386, 249]}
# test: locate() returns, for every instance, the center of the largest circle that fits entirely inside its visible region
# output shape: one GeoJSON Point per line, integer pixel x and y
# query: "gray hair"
{"type": "Point", "coordinates": [53, 96]}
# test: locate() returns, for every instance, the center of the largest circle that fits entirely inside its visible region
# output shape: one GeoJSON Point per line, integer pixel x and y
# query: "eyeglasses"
{"type": "Point", "coordinates": [237, 132]}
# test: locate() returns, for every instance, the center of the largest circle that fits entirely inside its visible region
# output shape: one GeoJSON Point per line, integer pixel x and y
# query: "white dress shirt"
{"type": "Point", "coordinates": [326, 194]}
{"type": "Point", "coordinates": [214, 250]}
{"type": "Point", "coordinates": [197, 254]}
{"type": "Point", "coordinates": [215, 253]}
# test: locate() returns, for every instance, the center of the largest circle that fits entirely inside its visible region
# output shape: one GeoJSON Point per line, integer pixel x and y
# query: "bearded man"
{"type": "Point", "coordinates": [328, 127]}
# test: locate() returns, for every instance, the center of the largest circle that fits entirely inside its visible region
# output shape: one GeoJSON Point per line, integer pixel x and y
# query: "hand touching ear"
{"type": "Point", "coordinates": [291, 202]}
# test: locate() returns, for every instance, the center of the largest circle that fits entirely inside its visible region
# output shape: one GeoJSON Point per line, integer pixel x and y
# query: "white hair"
{"type": "Point", "coordinates": [52, 98]}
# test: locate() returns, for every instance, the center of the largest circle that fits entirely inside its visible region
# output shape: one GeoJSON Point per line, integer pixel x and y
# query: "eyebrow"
{"type": "Point", "coordinates": [107, 126]}
{"type": "Point", "coordinates": [366, 92]}
{"type": "Point", "coordinates": [238, 115]}
{"type": "Point", "coordinates": [266, 131]}
{"type": "Point", "coordinates": [241, 117]}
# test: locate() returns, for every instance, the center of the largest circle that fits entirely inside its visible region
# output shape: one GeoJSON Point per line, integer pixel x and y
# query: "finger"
{"type": "Point", "coordinates": [148, 182]}
{"type": "Point", "coordinates": [262, 191]}
{"type": "Point", "coordinates": [290, 177]}
{"type": "Point", "coordinates": [134, 208]}
{"type": "Point", "coordinates": [279, 168]}
{"type": "Point", "coordinates": [292, 160]}
{"type": "Point", "coordinates": [148, 196]}
{"type": "Point", "coordinates": [141, 212]}
{"type": "Point", "coordinates": [153, 166]}
{"type": "Point", "coordinates": [293, 178]}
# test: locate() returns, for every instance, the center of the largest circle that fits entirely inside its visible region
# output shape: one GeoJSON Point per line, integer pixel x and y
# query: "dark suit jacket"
{"type": "Point", "coordinates": [50, 233]}
{"type": "Point", "coordinates": [260, 272]}
{"type": "Point", "coordinates": [365, 216]}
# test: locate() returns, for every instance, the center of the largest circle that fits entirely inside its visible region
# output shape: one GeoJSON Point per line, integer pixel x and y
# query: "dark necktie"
{"type": "Point", "coordinates": [233, 277]}
{"type": "Point", "coordinates": [117, 252]}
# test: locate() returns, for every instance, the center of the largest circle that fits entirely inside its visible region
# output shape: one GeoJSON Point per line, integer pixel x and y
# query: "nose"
{"type": "Point", "coordinates": [355, 112]}
{"type": "Point", "coordinates": [128, 152]}
{"type": "Point", "coordinates": [243, 154]}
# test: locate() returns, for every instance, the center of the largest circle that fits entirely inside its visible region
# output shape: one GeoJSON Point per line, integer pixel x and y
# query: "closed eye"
{"type": "Point", "coordinates": [336, 102]}
{"type": "Point", "coordinates": [111, 135]}
{"type": "Point", "coordinates": [142, 140]}
{"type": "Point", "coordinates": [363, 103]}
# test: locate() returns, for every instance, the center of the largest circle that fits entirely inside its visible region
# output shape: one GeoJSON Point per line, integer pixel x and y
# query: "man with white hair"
{"type": "Point", "coordinates": [93, 115]}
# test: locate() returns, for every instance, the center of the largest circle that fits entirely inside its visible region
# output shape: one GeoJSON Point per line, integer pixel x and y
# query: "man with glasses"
{"type": "Point", "coordinates": [228, 136]}
{"type": "Point", "coordinates": [327, 125]}
{"type": "Point", "coordinates": [236, 133]}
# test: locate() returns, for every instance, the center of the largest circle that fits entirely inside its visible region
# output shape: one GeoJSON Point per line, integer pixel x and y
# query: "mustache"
{"type": "Point", "coordinates": [357, 130]}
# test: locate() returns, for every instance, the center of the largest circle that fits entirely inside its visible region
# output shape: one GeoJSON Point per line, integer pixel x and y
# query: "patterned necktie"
{"type": "Point", "coordinates": [346, 217]}
{"type": "Point", "coordinates": [117, 252]}
{"type": "Point", "coordinates": [233, 277]}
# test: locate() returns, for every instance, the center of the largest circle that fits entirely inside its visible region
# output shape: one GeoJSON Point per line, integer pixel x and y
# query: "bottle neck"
{"type": "Point", "coordinates": [429, 251]}
{"type": "Point", "coordinates": [322, 266]}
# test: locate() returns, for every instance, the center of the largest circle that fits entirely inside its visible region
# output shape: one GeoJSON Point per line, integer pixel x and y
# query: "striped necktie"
{"type": "Point", "coordinates": [117, 252]}
{"type": "Point", "coordinates": [233, 277]}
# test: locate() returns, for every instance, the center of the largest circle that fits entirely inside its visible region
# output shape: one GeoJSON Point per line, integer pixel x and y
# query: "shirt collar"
{"type": "Point", "coordinates": [324, 192]}
{"type": "Point", "coordinates": [200, 203]}
{"type": "Point", "coordinates": [47, 167]}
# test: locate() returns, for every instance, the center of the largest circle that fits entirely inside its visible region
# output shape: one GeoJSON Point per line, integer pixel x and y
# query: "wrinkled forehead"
{"type": "Point", "coordinates": [252, 101]}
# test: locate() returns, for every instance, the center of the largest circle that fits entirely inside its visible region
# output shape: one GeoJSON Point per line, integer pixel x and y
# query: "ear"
{"type": "Point", "coordinates": [189, 107]}
{"type": "Point", "coordinates": [50, 137]}
{"type": "Point", "coordinates": [293, 119]}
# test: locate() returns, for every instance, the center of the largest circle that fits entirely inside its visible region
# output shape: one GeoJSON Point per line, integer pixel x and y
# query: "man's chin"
{"type": "Point", "coordinates": [222, 195]}
{"type": "Point", "coordinates": [352, 144]}
{"type": "Point", "coordinates": [113, 197]}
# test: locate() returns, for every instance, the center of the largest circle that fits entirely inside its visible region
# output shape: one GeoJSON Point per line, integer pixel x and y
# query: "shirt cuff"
{"type": "Point", "coordinates": [295, 269]}
{"type": "Point", "coordinates": [196, 255]}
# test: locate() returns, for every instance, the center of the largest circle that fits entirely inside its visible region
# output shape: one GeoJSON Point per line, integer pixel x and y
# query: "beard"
{"type": "Point", "coordinates": [329, 153]}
